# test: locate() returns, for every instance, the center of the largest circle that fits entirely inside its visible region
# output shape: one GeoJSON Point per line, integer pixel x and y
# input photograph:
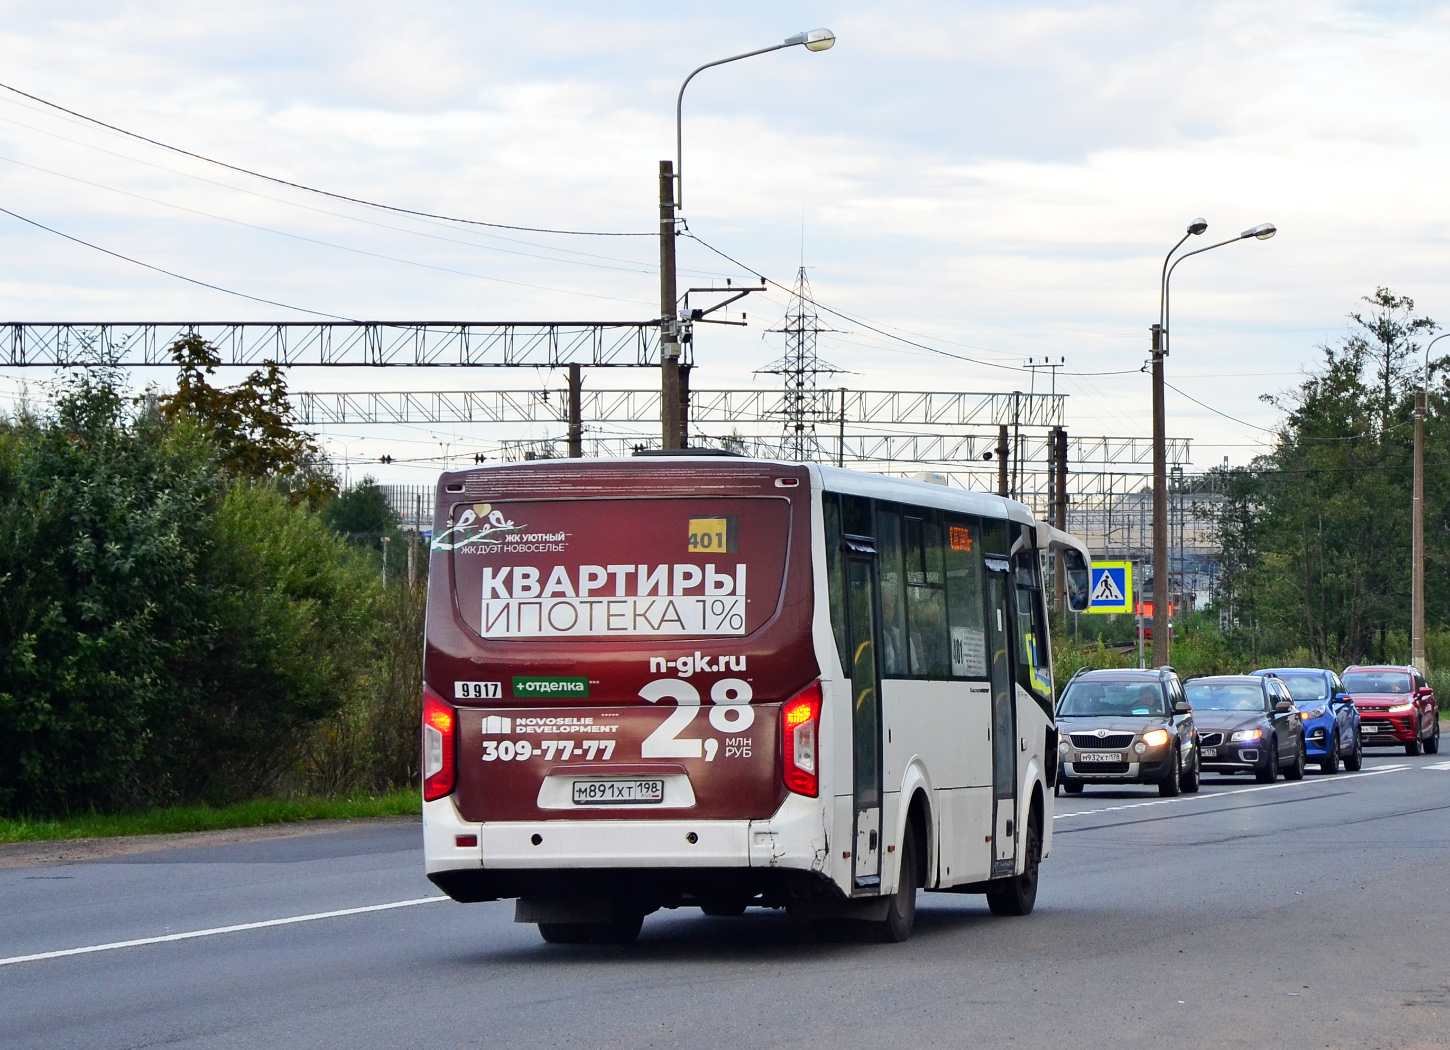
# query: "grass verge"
{"type": "Point", "coordinates": [208, 818]}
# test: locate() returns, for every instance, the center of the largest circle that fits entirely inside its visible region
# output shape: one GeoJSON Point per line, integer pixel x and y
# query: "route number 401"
{"type": "Point", "coordinates": [732, 713]}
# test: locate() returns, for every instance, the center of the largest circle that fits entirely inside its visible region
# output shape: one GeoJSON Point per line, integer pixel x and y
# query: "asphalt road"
{"type": "Point", "coordinates": [1311, 914]}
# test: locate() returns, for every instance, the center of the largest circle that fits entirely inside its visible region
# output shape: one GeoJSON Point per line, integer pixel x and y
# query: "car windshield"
{"type": "Point", "coordinates": [1306, 686]}
{"type": "Point", "coordinates": [1086, 699]}
{"type": "Point", "coordinates": [1225, 696]}
{"type": "Point", "coordinates": [1377, 682]}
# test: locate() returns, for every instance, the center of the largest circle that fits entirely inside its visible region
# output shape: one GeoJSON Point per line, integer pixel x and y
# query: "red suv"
{"type": "Point", "coordinates": [1396, 706]}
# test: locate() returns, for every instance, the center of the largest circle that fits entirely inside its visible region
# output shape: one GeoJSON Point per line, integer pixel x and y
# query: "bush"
{"type": "Point", "coordinates": [167, 632]}
{"type": "Point", "coordinates": [102, 595]}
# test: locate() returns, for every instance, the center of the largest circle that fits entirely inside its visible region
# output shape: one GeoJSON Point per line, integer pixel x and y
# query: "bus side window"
{"type": "Point", "coordinates": [835, 574]}
{"type": "Point", "coordinates": [925, 596]}
{"type": "Point", "coordinates": [964, 597]}
{"type": "Point", "coordinates": [1034, 660]}
{"type": "Point", "coordinates": [994, 537]}
{"type": "Point", "coordinates": [893, 603]}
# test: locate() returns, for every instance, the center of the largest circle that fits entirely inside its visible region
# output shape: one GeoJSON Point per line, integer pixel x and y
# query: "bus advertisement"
{"type": "Point", "coordinates": [717, 682]}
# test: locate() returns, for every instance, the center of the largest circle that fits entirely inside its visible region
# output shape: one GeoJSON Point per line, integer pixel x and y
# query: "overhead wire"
{"type": "Point", "coordinates": [344, 215]}
{"type": "Point", "coordinates": [303, 186]}
{"type": "Point", "coordinates": [343, 247]}
{"type": "Point", "coordinates": [170, 273]}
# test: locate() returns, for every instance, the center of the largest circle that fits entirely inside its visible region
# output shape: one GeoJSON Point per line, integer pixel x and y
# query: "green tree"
{"type": "Point", "coordinates": [1314, 536]}
{"type": "Point", "coordinates": [168, 629]}
{"type": "Point", "coordinates": [251, 423]}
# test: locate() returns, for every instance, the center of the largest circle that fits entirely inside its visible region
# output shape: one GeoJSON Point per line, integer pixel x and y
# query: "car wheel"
{"type": "Point", "coordinates": [1172, 784]}
{"type": "Point", "coordinates": [1270, 772]}
{"type": "Point", "coordinates": [1432, 745]}
{"type": "Point", "coordinates": [1330, 762]}
{"type": "Point", "coordinates": [1354, 761]}
{"type": "Point", "coordinates": [901, 906]}
{"type": "Point", "coordinates": [1193, 777]}
{"type": "Point", "coordinates": [1414, 747]}
{"type": "Point", "coordinates": [1296, 771]}
{"type": "Point", "coordinates": [1072, 787]}
{"type": "Point", "coordinates": [1018, 895]}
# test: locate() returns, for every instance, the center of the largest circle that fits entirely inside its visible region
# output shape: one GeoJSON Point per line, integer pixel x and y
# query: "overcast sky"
{"type": "Point", "coordinates": [997, 180]}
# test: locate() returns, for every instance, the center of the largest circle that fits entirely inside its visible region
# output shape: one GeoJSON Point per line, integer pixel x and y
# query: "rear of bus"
{"type": "Point", "coordinates": [621, 690]}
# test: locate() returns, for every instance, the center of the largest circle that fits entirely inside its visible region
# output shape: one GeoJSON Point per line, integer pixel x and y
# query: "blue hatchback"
{"type": "Point", "coordinates": [1331, 723]}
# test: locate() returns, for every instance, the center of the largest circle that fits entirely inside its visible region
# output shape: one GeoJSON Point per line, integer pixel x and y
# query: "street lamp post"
{"type": "Point", "coordinates": [672, 408]}
{"type": "Point", "coordinates": [1417, 521]}
{"type": "Point", "coordinates": [1161, 343]}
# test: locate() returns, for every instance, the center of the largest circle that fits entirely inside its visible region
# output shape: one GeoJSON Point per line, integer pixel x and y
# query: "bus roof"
{"type": "Point", "coordinates": [832, 479]}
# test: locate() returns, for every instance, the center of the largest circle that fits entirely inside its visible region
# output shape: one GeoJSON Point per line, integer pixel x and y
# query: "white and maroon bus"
{"type": "Point", "coordinates": [721, 682]}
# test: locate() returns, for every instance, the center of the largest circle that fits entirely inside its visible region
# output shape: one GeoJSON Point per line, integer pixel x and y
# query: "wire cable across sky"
{"type": "Point", "coordinates": [303, 186]}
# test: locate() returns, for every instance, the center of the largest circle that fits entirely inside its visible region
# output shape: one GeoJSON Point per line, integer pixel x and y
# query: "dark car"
{"type": "Point", "coordinates": [1126, 727]}
{"type": "Point", "coordinates": [1331, 723]}
{"type": "Point", "coordinates": [1396, 707]}
{"type": "Point", "coordinates": [1248, 724]}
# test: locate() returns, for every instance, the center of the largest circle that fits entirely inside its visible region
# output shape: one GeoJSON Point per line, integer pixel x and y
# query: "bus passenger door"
{"type": "Point", "coordinates": [1004, 719]}
{"type": "Point", "coordinates": [865, 719]}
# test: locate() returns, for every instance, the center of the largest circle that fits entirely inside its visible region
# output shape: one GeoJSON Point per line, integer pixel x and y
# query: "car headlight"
{"type": "Point", "coordinates": [1402, 709]}
{"type": "Point", "coordinates": [1315, 712]}
{"type": "Point", "coordinates": [1247, 734]}
{"type": "Point", "coordinates": [1155, 737]}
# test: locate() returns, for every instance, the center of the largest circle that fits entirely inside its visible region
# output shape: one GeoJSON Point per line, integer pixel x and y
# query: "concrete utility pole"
{"type": "Point", "coordinates": [1059, 510]}
{"type": "Point", "coordinates": [576, 421]}
{"type": "Point", "coordinates": [1002, 460]}
{"type": "Point", "coordinates": [1417, 530]}
{"type": "Point", "coordinates": [1160, 507]}
{"type": "Point", "coordinates": [669, 321]}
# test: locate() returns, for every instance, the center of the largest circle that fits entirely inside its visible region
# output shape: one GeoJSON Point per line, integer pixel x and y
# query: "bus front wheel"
{"type": "Point", "coordinates": [1017, 895]}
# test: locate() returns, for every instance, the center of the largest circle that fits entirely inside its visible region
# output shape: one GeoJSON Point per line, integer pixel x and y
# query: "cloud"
{"type": "Point", "coordinates": [998, 176]}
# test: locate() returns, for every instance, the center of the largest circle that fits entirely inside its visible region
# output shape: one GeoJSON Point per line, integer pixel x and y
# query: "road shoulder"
{"type": "Point", "coordinates": [79, 851]}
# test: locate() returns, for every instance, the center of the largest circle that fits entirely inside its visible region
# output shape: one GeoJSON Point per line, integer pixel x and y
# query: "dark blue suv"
{"type": "Point", "coordinates": [1331, 723]}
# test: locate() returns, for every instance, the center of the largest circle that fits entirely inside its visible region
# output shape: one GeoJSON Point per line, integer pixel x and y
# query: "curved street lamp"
{"type": "Point", "coordinates": [1161, 340]}
{"type": "Point", "coordinates": [1417, 519]}
{"type": "Point", "coordinates": [815, 40]}
{"type": "Point", "coordinates": [672, 193]}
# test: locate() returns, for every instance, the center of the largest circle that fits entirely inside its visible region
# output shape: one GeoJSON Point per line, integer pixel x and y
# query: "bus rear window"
{"type": "Point", "coordinates": [602, 568]}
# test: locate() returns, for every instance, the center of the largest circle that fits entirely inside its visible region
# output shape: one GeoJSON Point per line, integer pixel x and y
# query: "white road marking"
{"type": "Point", "coordinates": [1237, 791]}
{"type": "Point", "coordinates": [1438, 765]}
{"type": "Point", "coordinates": [218, 930]}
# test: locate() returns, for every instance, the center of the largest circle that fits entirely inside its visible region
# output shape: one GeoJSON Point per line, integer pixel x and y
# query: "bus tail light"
{"type": "Point", "coordinates": [800, 720]}
{"type": "Point", "coordinates": [438, 727]}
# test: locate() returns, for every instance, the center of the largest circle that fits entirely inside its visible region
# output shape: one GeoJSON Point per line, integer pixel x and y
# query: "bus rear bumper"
{"type": "Point", "coordinates": [793, 839]}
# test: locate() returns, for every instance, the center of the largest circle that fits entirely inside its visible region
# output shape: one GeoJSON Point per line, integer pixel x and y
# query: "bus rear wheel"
{"type": "Point", "coordinates": [901, 906]}
{"type": "Point", "coordinates": [619, 931]}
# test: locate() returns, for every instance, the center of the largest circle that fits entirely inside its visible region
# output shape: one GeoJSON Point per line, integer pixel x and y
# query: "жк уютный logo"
{"type": "Point", "coordinates": [479, 522]}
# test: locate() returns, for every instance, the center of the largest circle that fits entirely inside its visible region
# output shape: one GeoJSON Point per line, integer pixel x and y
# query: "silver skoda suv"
{"type": "Point", "coordinates": [1126, 727]}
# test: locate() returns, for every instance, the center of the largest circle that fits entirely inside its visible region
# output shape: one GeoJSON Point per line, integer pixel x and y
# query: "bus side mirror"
{"type": "Point", "coordinates": [1079, 580]}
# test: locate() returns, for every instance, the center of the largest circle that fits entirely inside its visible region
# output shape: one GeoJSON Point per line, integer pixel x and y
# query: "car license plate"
{"type": "Point", "coordinates": [1369, 728]}
{"type": "Point", "coordinates": [1099, 756]}
{"type": "Point", "coordinates": [1208, 752]}
{"type": "Point", "coordinates": [618, 792]}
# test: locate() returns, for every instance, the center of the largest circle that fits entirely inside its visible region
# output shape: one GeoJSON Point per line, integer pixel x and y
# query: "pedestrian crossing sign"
{"type": "Point", "coordinates": [1112, 587]}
